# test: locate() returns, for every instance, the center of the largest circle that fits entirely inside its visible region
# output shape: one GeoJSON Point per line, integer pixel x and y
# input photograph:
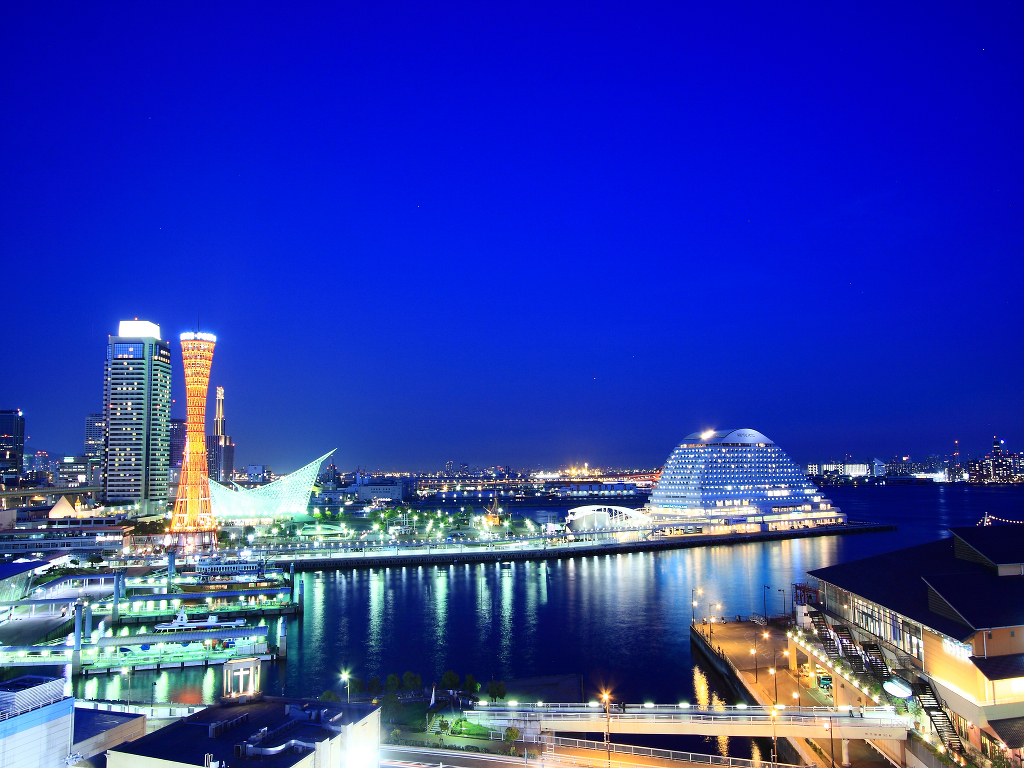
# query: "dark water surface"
{"type": "Point", "coordinates": [620, 621]}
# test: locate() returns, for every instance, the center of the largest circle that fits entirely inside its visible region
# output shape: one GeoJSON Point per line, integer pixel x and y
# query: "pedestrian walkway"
{"type": "Point", "coordinates": [787, 686]}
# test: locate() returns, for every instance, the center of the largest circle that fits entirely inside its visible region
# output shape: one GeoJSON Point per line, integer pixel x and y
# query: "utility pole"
{"type": "Point", "coordinates": [753, 652]}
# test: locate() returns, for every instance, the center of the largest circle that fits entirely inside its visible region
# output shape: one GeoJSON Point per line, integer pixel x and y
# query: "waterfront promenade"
{"type": "Point", "coordinates": [348, 554]}
{"type": "Point", "coordinates": [788, 687]}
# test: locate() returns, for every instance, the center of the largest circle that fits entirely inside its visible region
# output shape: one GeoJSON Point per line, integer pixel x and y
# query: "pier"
{"type": "Point", "coordinates": [771, 679]}
{"type": "Point", "coordinates": [346, 555]}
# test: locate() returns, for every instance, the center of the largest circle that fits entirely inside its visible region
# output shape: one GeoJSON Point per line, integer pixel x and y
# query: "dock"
{"type": "Point", "coordinates": [349, 555]}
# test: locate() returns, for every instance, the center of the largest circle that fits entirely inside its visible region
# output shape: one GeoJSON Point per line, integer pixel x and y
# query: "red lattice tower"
{"type": "Point", "coordinates": [192, 511]}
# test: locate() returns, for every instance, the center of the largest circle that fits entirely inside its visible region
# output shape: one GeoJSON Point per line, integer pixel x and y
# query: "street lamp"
{"type": "Point", "coordinates": [771, 671]}
{"type": "Point", "coordinates": [607, 699]}
{"type": "Point", "coordinates": [775, 743]}
{"type": "Point", "coordinates": [348, 686]}
{"type": "Point", "coordinates": [764, 595]}
{"type": "Point", "coordinates": [831, 743]}
{"type": "Point", "coordinates": [753, 652]}
{"type": "Point", "coordinates": [711, 619]}
{"type": "Point", "coordinates": [693, 618]}
{"type": "Point", "coordinates": [128, 671]}
{"type": "Point", "coordinates": [783, 602]}
{"type": "Point", "coordinates": [796, 695]}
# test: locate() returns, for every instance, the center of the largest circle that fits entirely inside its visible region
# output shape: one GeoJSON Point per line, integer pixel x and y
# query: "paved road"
{"type": "Point", "coordinates": [426, 757]}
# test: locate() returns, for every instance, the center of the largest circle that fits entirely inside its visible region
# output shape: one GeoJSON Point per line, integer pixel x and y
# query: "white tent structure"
{"type": "Point", "coordinates": [286, 496]}
{"type": "Point", "coordinates": [602, 516]}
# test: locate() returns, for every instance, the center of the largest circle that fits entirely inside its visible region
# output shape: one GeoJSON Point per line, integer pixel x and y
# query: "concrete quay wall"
{"type": "Point", "coordinates": [558, 552]}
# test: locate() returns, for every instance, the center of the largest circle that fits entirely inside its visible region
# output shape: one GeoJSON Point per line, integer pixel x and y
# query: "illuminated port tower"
{"type": "Point", "coordinates": [192, 523]}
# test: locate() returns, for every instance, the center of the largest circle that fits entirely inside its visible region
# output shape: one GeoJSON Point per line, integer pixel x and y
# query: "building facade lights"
{"type": "Point", "coordinates": [193, 514]}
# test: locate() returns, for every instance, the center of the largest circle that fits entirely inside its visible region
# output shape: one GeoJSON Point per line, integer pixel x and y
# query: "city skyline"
{"type": "Point", "coordinates": [526, 235]}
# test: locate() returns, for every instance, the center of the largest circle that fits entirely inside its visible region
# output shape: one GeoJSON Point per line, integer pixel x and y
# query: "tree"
{"type": "Point", "coordinates": [450, 680]}
{"type": "Point", "coordinates": [374, 686]}
{"type": "Point", "coordinates": [329, 695]}
{"type": "Point", "coordinates": [356, 686]}
{"type": "Point", "coordinates": [411, 681]}
{"type": "Point", "coordinates": [511, 734]}
{"type": "Point", "coordinates": [390, 707]}
{"type": "Point", "coordinates": [496, 690]}
{"type": "Point", "coordinates": [443, 725]}
{"type": "Point", "coordinates": [95, 559]}
{"type": "Point", "coordinates": [393, 683]}
{"type": "Point", "coordinates": [470, 685]}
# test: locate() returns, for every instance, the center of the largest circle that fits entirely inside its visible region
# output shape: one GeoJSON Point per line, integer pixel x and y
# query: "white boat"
{"type": "Point", "coordinates": [182, 624]}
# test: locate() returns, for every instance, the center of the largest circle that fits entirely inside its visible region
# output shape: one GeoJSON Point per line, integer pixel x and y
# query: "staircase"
{"type": "Point", "coordinates": [931, 704]}
{"type": "Point", "coordinates": [824, 632]}
{"type": "Point", "coordinates": [875, 660]}
{"type": "Point", "coordinates": [849, 647]}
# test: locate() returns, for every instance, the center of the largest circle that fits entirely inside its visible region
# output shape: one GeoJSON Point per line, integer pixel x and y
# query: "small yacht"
{"type": "Point", "coordinates": [182, 624]}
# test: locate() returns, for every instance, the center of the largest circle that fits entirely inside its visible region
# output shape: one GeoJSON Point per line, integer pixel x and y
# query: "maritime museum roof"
{"type": "Point", "coordinates": [286, 496]}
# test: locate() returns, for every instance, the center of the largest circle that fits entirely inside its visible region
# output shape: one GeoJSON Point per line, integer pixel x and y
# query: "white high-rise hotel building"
{"type": "Point", "coordinates": [738, 479]}
{"type": "Point", "coordinates": [137, 407]}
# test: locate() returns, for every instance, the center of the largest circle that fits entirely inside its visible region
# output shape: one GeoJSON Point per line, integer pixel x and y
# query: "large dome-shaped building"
{"type": "Point", "coordinates": [738, 477]}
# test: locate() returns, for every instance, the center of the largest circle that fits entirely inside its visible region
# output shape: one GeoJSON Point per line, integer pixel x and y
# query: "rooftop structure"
{"type": "Point", "coordinates": [286, 496]}
{"type": "Point", "coordinates": [950, 614]}
{"type": "Point", "coordinates": [36, 722]}
{"type": "Point", "coordinates": [97, 730]}
{"type": "Point", "coordinates": [741, 476]}
{"type": "Point", "coordinates": [272, 733]}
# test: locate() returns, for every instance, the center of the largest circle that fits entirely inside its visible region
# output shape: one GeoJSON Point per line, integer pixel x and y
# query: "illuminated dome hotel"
{"type": "Point", "coordinates": [738, 480]}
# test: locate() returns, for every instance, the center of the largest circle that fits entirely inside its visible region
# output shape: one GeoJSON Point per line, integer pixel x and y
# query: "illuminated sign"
{"type": "Point", "coordinates": [957, 650]}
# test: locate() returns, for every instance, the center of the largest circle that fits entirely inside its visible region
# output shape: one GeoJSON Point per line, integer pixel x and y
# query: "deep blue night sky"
{"type": "Point", "coordinates": [524, 234]}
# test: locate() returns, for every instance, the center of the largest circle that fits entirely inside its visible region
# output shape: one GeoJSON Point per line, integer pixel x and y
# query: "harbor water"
{"type": "Point", "coordinates": [619, 621]}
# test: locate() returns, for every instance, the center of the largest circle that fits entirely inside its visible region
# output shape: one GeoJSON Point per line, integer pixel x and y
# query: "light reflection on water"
{"type": "Point", "coordinates": [620, 621]}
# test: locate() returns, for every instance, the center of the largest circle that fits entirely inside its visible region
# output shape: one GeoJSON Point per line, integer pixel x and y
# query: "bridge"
{"type": "Point", "coordinates": [796, 722]}
{"type": "Point", "coordinates": [25, 493]}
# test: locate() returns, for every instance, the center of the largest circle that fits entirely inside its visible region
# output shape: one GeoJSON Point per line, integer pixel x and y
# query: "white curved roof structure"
{"type": "Point", "coordinates": [288, 495]}
{"type": "Point", "coordinates": [604, 516]}
{"type": "Point", "coordinates": [734, 468]}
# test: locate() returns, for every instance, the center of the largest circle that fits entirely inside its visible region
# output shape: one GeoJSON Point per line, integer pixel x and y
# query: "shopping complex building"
{"type": "Point", "coordinates": [737, 480]}
{"type": "Point", "coordinates": [948, 619]}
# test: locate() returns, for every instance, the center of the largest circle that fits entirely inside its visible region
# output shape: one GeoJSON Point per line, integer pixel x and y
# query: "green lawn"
{"type": "Point", "coordinates": [470, 730]}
